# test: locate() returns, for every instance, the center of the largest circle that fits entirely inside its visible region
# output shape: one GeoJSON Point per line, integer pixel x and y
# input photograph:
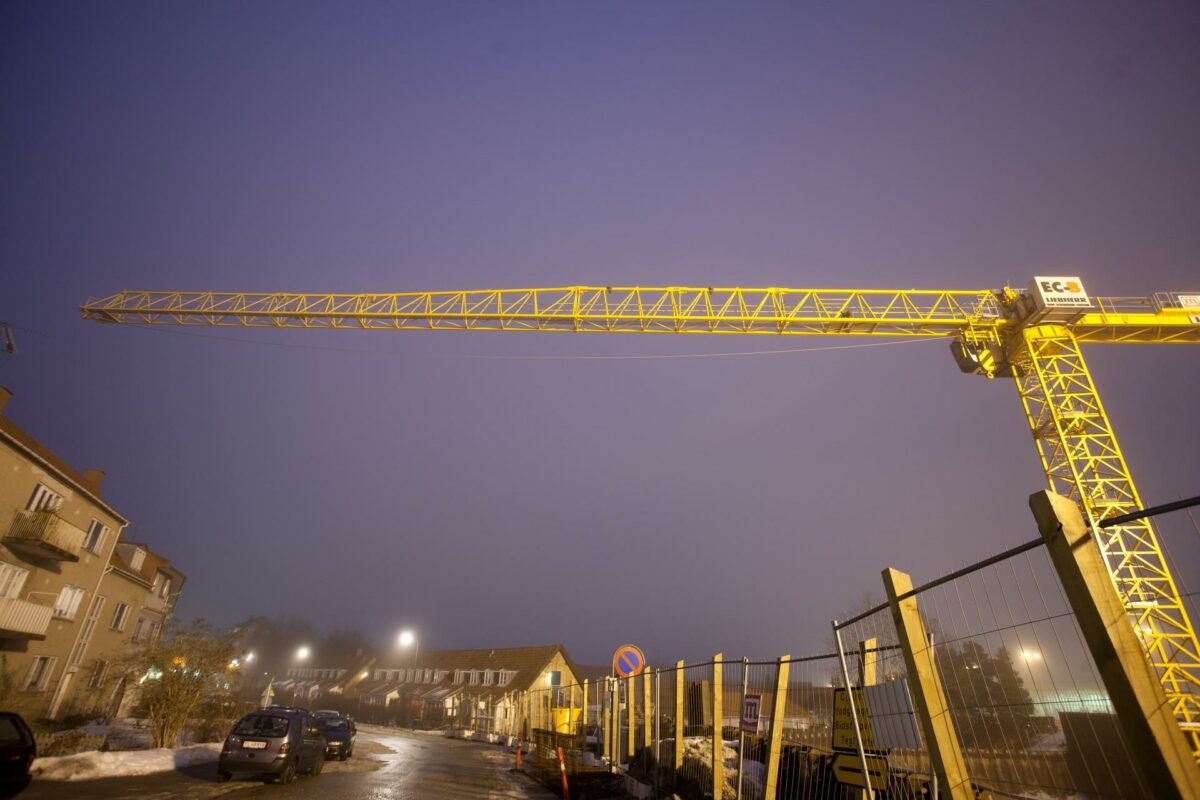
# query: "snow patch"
{"type": "Point", "coordinates": [95, 764]}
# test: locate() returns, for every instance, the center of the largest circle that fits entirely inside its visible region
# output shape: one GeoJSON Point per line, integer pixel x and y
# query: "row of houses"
{"type": "Point", "coordinates": [476, 689]}
{"type": "Point", "coordinates": [75, 594]}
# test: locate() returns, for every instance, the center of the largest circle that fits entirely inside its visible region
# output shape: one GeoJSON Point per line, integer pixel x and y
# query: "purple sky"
{"type": "Point", "coordinates": [690, 506]}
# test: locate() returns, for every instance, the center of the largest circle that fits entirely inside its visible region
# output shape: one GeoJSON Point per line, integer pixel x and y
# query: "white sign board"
{"type": "Point", "coordinates": [1060, 291]}
{"type": "Point", "coordinates": [1189, 300]}
{"type": "Point", "coordinates": [750, 713]}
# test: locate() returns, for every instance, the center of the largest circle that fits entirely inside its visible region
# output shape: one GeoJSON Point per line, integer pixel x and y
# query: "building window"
{"type": "Point", "coordinates": [162, 584]}
{"type": "Point", "coordinates": [137, 629]}
{"type": "Point", "coordinates": [120, 615]}
{"type": "Point", "coordinates": [44, 499]}
{"type": "Point", "coordinates": [68, 602]}
{"type": "Point", "coordinates": [12, 579]}
{"type": "Point", "coordinates": [153, 631]}
{"type": "Point", "coordinates": [428, 676]}
{"type": "Point", "coordinates": [138, 558]}
{"type": "Point", "coordinates": [99, 673]}
{"type": "Point", "coordinates": [97, 535]}
{"type": "Point", "coordinates": [39, 673]}
{"type": "Point", "coordinates": [474, 677]}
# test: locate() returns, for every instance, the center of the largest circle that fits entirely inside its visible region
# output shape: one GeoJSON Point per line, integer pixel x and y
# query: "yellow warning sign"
{"type": "Point", "coordinates": [843, 724]}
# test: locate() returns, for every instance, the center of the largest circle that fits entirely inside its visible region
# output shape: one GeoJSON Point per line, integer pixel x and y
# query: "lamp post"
{"type": "Point", "coordinates": [409, 639]}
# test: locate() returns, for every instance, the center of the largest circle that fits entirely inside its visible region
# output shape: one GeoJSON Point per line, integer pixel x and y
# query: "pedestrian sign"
{"type": "Point", "coordinates": [628, 661]}
{"type": "Point", "coordinates": [847, 769]}
{"type": "Point", "coordinates": [750, 711]}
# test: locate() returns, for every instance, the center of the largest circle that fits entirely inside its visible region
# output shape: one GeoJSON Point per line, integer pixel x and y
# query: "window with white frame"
{"type": "Point", "coordinates": [137, 629]}
{"type": "Point", "coordinates": [506, 676]}
{"type": "Point", "coordinates": [428, 676]}
{"type": "Point", "coordinates": [96, 537]}
{"type": "Point", "coordinates": [12, 579]}
{"type": "Point", "coordinates": [153, 631]}
{"type": "Point", "coordinates": [99, 673]}
{"type": "Point", "coordinates": [489, 677]}
{"type": "Point", "coordinates": [137, 559]}
{"type": "Point", "coordinates": [69, 598]}
{"type": "Point", "coordinates": [162, 584]}
{"type": "Point", "coordinates": [474, 677]}
{"type": "Point", "coordinates": [120, 616]}
{"type": "Point", "coordinates": [39, 673]}
{"type": "Point", "coordinates": [44, 499]}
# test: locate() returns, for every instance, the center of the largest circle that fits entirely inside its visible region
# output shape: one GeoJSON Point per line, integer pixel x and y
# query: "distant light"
{"type": "Point", "coordinates": [1031, 655]}
{"type": "Point", "coordinates": [250, 657]}
{"type": "Point", "coordinates": [234, 663]}
{"type": "Point", "coordinates": [365, 674]}
{"type": "Point", "coordinates": [303, 653]}
{"type": "Point", "coordinates": [406, 638]}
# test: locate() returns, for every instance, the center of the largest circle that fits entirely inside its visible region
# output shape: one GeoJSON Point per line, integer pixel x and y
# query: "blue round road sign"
{"type": "Point", "coordinates": [629, 660]}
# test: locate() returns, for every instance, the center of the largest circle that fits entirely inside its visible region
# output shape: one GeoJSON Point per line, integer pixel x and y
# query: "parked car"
{"type": "Point", "coordinates": [17, 751]}
{"type": "Point", "coordinates": [339, 736]}
{"type": "Point", "coordinates": [326, 712]}
{"type": "Point", "coordinates": [278, 743]}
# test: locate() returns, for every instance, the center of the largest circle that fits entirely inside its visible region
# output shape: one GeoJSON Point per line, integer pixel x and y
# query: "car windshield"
{"type": "Point", "coordinates": [10, 733]}
{"type": "Point", "coordinates": [334, 724]}
{"type": "Point", "coordinates": [262, 725]}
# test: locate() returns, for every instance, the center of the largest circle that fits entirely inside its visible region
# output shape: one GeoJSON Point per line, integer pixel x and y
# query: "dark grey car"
{"type": "Point", "coordinates": [278, 743]}
{"type": "Point", "coordinates": [339, 736]}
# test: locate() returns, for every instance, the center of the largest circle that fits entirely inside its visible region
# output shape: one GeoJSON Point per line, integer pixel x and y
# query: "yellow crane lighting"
{"type": "Point", "coordinates": [1031, 335]}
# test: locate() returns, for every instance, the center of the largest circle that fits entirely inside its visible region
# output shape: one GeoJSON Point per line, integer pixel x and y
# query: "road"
{"type": "Point", "coordinates": [387, 765]}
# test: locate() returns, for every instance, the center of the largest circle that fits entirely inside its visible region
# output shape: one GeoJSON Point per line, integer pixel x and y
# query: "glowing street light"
{"type": "Point", "coordinates": [409, 639]}
{"type": "Point", "coordinates": [303, 653]}
{"type": "Point", "coordinates": [1031, 655]}
{"type": "Point", "coordinates": [249, 657]}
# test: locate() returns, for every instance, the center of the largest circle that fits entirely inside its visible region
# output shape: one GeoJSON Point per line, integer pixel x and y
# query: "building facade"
{"type": "Point", "coordinates": [67, 597]}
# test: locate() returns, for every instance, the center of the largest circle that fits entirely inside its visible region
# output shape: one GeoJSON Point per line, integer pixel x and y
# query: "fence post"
{"type": "Point", "coordinates": [868, 658]}
{"type": "Point", "coordinates": [647, 738]}
{"type": "Point", "coordinates": [1154, 738]}
{"type": "Point", "coordinates": [616, 722]}
{"type": "Point", "coordinates": [657, 729]}
{"type": "Point", "coordinates": [718, 714]}
{"type": "Point", "coordinates": [778, 709]}
{"type": "Point", "coordinates": [929, 699]}
{"type": "Point", "coordinates": [583, 713]}
{"type": "Point", "coordinates": [680, 688]}
{"type": "Point", "coordinates": [631, 711]}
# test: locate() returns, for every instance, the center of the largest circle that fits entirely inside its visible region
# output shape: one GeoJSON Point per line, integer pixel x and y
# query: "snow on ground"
{"type": "Point", "coordinates": [95, 764]}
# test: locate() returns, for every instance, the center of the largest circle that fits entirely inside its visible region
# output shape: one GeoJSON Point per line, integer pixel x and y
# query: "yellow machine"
{"type": "Point", "coordinates": [1032, 336]}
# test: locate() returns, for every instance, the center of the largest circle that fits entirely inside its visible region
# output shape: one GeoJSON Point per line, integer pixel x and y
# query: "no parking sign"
{"type": "Point", "coordinates": [629, 660]}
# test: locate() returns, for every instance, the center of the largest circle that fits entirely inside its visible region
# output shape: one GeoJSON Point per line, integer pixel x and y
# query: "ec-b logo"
{"type": "Point", "coordinates": [1061, 287]}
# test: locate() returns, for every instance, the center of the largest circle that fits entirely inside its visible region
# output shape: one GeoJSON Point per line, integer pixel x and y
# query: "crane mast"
{"type": "Point", "coordinates": [1033, 336]}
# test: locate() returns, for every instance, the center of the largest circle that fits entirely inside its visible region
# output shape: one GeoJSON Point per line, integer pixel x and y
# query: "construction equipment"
{"type": "Point", "coordinates": [1032, 336]}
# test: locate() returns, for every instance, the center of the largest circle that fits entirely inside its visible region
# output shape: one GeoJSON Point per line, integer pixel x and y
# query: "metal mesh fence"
{"type": "Point", "coordinates": [1032, 716]}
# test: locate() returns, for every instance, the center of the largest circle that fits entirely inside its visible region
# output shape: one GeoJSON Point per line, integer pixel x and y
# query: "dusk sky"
{"type": "Point", "coordinates": [694, 505]}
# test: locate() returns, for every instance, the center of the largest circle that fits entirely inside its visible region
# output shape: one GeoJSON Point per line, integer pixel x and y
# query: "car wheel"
{"type": "Point", "coordinates": [345, 754]}
{"type": "Point", "coordinates": [318, 765]}
{"type": "Point", "coordinates": [223, 776]}
{"type": "Point", "coordinates": [289, 773]}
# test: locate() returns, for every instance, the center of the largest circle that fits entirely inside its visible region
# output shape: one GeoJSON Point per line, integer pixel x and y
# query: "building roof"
{"type": "Point", "coordinates": [151, 564]}
{"type": "Point", "coordinates": [527, 662]}
{"type": "Point", "coordinates": [39, 452]}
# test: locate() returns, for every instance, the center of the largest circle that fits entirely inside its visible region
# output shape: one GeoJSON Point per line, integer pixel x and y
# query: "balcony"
{"type": "Point", "coordinates": [23, 619]}
{"type": "Point", "coordinates": [44, 534]}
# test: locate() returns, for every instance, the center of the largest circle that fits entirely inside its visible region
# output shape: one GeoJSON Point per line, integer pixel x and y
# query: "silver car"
{"type": "Point", "coordinates": [277, 743]}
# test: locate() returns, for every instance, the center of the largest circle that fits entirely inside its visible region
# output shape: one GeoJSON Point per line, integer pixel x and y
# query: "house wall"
{"type": "Point", "coordinates": [108, 645]}
{"type": "Point", "coordinates": [19, 475]}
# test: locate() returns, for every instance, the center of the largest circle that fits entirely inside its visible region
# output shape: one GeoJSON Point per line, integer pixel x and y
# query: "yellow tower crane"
{"type": "Point", "coordinates": [1032, 336]}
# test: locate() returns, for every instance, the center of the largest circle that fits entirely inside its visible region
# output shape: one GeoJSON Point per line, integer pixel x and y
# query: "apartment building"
{"type": "Point", "coordinates": [67, 605]}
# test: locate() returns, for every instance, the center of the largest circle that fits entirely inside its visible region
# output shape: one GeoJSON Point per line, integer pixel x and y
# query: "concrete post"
{"type": "Point", "coordinates": [680, 688]}
{"type": "Point", "coordinates": [778, 710]}
{"type": "Point", "coordinates": [929, 699]}
{"type": "Point", "coordinates": [1155, 741]}
{"type": "Point", "coordinates": [718, 713]}
{"type": "Point", "coordinates": [647, 711]}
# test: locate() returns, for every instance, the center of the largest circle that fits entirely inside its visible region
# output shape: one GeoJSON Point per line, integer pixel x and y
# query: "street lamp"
{"type": "Point", "coordinates": [1031, 655]}
{"type": "Point", "coordinates": [409, 639]}
{"type": "Point", "coordinates": [303, 652]}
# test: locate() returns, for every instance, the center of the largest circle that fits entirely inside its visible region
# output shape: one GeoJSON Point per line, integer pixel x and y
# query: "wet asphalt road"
{"type": "Point", "coordinates": [419, 767]}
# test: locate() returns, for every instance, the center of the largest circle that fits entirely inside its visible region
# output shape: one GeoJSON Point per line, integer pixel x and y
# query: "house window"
{"type": "Point", "coordinates": [44, 499]}
{"type": "Point", "coordinates": [153, 631]}
{"type": "Point", "coordinates": [68, 602]}
{"type": "Point", "coordinates": [97, 535]}
{"type": "Point", "coordinates": [39, 673]}
{"type": "Point", "coordinates": [488, 677]}
{"type": "Point", "coordinates": [99, 673]}
{"type": "Point", "coordinates": [139, 558]}
{"type": "Point", "coordinates": [474, 677]}
{"type": "Point", "coordinates": [162, 584]}
{"type": "Point", "coordinates": [428, 676]}
{"type": "Point", "coordinates": [120, 615]}
{"type": "Point", "coordinates": [137, 629]}
{"type": "Point", "coordinates": [12, 579]}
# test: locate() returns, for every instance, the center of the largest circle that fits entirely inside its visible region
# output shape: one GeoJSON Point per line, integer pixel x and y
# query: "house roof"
{"type": "Point", "coordinates": [39, 452]}
{"type": "Point", "coordinates": [526, 662]}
